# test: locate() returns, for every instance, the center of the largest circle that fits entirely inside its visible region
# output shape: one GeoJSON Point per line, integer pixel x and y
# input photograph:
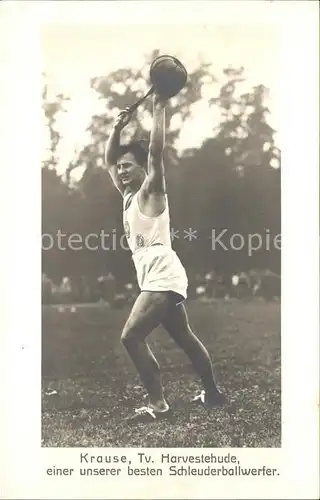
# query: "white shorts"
{"type": "Point", "coordinates": [159, 270]}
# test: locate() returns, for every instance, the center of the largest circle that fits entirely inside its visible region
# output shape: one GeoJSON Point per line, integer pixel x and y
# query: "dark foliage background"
{"type": "Point", "coordinates": [226, 183]}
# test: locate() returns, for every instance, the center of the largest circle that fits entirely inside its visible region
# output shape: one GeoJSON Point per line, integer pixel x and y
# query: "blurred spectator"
{"type": "Point", "coordinates": [46, 289]}
{"type": "Point", "coordinates": [200, 291]}
{"type": "Point", "coordinates": [270, 285]}
{"type": "Point", "coordinates": [107, 288]}
{"type": "Point", "coordinates": [195, 280]}
{"type": "Point", "coordinates": [131, 292]}
{"type": "Point", "coordinates": [255, 279]}
{"type": "Point", "coordinates": [65, 290]}
{"type": "Point", "coordinates": [210, 282]}
{"type": "Point", "coordinates": [221, 287]}
{"type": "Point", "coordinates": [243, 288]}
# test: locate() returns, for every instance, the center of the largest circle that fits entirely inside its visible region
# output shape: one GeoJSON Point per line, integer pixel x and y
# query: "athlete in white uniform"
{"type": "Point", "coordinates": [139, 176]}
{"type": "Point", "coordinates": [158, 267]}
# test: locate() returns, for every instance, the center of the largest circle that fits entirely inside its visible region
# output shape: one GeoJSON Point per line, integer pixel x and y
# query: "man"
{"type": "Point", "coordinates": [139, 176]}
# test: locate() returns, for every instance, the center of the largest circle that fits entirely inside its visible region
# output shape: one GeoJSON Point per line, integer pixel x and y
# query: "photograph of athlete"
{"type": "Point", "coordinates": [139, 176]}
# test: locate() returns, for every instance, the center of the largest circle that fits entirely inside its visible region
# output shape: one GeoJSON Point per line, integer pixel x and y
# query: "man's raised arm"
{"type": "Point", "coordinates": [112, 148]}
{"type": "Point", "coordinates": [156, 177]}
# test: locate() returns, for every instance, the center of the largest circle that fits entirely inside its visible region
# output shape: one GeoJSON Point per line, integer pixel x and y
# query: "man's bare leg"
{"type": "Point", "coordinates": [147, 313]}
{"type": "Point", "coordinates": [177, 325]}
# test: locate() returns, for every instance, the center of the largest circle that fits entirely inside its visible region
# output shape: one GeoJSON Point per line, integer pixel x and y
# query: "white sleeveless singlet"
{"type": "Point", "coordinates": [157, 265]}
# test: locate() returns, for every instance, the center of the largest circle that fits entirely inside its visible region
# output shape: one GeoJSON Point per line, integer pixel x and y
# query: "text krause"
{"type": "Point", "coordinates": [85, 458]}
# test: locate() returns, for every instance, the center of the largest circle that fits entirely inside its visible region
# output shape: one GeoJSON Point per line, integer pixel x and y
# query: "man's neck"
{"type": "Point", "coordinates": [129, 190]}
{"type": "Point", "coordinates": [132, 188]}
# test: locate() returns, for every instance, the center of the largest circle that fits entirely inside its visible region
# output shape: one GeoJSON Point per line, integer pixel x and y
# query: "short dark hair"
{"type": "Point", "coordinates": [139, 149]}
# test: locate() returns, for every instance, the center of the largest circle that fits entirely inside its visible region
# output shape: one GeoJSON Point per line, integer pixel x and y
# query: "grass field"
{"type": "Point", "coordinates": [97, 387]}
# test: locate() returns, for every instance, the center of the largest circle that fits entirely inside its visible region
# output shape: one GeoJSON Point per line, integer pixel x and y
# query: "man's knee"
{"type": "Point", "coordinates": [129, 335]}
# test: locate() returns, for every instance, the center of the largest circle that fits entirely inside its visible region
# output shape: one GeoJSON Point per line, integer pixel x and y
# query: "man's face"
{"type": "Point", "coordinates": [129, 170]}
